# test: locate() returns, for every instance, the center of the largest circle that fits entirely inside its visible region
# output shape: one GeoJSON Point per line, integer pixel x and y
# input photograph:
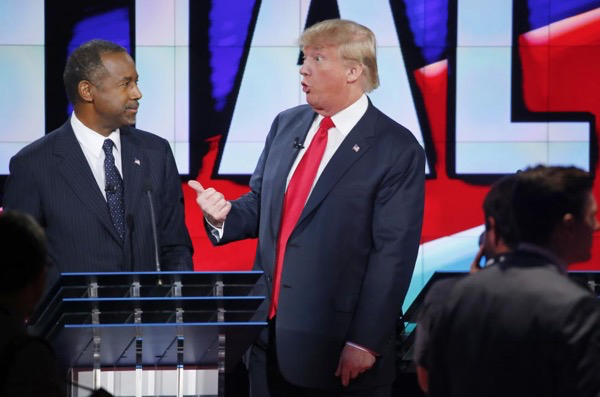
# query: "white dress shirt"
{"type": "Point", "coordinates": [91, 144]}
{"type": "Point", "coordinates": [344, 122]}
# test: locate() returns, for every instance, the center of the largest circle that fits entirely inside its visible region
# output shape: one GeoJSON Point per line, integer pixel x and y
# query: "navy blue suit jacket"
{"type": "Point", "coordinates": [52, 180]}
{"type": "Point", "coordinates": [349, 260]}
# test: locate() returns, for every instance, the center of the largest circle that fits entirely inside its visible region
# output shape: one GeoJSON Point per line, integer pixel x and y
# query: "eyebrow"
{"type": "Point", "coordinates": [128, 78]}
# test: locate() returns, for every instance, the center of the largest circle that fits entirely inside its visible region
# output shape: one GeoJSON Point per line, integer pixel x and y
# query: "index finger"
{"type": "Point", "coordinates": [345, 376]}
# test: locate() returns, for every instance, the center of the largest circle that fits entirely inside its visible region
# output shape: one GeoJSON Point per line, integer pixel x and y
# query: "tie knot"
{"type": "Point", "coordinates": [326, 124]}
{"type": "Point", "coordinates": [107, 146]}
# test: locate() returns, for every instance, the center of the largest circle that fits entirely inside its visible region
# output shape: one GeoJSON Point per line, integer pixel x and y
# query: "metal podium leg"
{"type": "Point", "coordinates": [139, 341]}
{"type": "Point", "coordinates": [221, 365]}
{"type": "Point", "coordinates": [219, 287]}
{"type": "Point", "coordinates": [179, 381]}
{"type": "Point", "coordinates": [180, 384]}
{"type": "Point", "coordinates": [97, 342]}
{"type": "Point", "coordinates": [138, 367]}
{"type": "Point", "coordinates": [96, 381]}
{"type": "Point", "coordinates": [177, 291]}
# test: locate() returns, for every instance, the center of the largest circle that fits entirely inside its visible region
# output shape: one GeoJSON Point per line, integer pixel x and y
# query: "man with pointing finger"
{"type": "Point", "coordinates": [336, 202]}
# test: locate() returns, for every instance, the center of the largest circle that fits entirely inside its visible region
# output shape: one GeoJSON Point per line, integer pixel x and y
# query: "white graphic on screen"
{"type": "Point", "coordinates": [487, 142]}
{"type": "Point", "coordinates": [271, 80]}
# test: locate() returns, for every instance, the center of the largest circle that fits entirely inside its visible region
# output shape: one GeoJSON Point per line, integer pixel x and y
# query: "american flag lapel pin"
{"type": "Point", "coordinates": [356, 148]}
{"type": "Point", "coordinates": [136, 161]}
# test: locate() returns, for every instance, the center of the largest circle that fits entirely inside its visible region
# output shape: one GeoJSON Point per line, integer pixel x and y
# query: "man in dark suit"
{"type": "Point", "coordinates": [498, 239]}
{"type": "Point", "coordinates": [522, 327]}
{"type": "Point", "coordinates": [90, 182]}
{"type": "Point", "coordinates": [27, 364]}
{"type": "Point", "coordinates": [336, 202]}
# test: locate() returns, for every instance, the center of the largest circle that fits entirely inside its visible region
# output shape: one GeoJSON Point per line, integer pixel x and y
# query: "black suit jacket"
{"type": "Point", "coordinates": [52, 180]}
{"type": "Point", "coordinates": [27, 364]}
{"type": "Point", "coordinates": [350, 258]}
{"type": "Point", "coordinates": [518, 328]}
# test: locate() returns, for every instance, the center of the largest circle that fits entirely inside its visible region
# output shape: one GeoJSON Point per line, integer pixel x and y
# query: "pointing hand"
{"type": "Point", "coordinates": [212, 203]}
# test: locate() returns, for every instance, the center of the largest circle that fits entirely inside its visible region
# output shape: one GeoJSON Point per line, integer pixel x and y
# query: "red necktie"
{"type": "Point", "coordinates": [295, 198]}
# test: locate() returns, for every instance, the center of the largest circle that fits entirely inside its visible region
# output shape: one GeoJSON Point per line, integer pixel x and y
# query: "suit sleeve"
{"type": "Point", "coordinates": [397, 221]}
{"type": "Point", "coordinates": [176, 246]}
{"type": "Point", "coordinates": [21, 192]}
{"type": "Point", "coordinates": [430, 313]}
{"type": "Point", "coordinates": [576, 352]}
{"type": "Point", "coordinates": [244, 217]}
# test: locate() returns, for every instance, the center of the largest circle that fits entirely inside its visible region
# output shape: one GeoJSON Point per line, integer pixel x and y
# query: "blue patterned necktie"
{"type": "Point", "coordinates": [114, 188]}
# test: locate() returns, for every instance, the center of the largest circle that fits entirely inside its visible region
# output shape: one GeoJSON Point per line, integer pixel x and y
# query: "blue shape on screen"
{"type": "Point", "coordinates": [545, 12]}
{"type": "Point", "coordinates": [428, 20]}
{"type": "Point", "coordinates": [112, 26]}
{"type": "Point", "coordinates": [229, 21]}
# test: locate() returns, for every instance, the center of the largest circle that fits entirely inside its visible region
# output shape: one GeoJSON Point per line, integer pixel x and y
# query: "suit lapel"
{"type": "Point", "coordinates": [132, 164]}
{"type": "Point", "coordinates": [76, 171]}
{"type": "Point", "coordinates": [299, 129]}
{"type": "Point", "coordinates": [353, 147]}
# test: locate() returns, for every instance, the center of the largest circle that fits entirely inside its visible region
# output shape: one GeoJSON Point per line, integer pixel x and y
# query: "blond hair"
{"type": "Point", "coordinates": [356, 43]}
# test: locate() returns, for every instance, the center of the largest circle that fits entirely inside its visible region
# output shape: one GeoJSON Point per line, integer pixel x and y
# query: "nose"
{"type": "Point", "coordinates": [303, 70]}
{"type": "Point", "coordinates": [136, 93]}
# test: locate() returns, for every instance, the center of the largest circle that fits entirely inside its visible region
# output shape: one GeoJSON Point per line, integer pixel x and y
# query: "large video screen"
{"type": "Point", "coordinates": [487, 87]}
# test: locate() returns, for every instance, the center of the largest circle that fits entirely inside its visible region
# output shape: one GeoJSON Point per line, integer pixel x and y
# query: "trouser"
{"type": "Point", "coordinates": [266, 379]}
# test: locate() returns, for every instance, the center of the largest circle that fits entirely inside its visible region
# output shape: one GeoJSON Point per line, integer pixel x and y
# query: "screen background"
{"type": "Point", "coordinates": [487, 89]}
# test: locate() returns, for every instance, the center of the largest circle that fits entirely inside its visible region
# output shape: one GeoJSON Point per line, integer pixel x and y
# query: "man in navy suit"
{"type": "Point", "coordinates": [336, 202]}
{"type": "Point", "coordinates": [90, 182]}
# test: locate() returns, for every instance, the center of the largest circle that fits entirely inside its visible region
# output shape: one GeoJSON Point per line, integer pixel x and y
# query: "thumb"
{"type": "Point", "coordinates": [338, 370]}
{"type": "Point", "coordinates": [197, 186]}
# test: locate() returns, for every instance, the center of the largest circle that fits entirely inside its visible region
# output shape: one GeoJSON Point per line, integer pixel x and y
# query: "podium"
{"type": "Point", "coordinates": [151, 319]}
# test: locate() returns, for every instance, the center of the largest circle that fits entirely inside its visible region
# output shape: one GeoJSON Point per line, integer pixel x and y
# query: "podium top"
{"type": "Point", "coordinates": [234, 286]}
{"type": "Point", "coordinates": [110, 278]}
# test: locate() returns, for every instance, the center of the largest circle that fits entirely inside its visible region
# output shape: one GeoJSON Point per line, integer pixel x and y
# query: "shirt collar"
{"type": "Point", "coordinates": [92, 140]}
{"type": "Point", "coordinates": [547, 254]}
{"type": "Point", "coordinates": [346, 119]}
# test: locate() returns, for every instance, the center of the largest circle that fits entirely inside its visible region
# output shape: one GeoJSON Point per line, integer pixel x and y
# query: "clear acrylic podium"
{"type": "Point", "coordinates": [151, 319]}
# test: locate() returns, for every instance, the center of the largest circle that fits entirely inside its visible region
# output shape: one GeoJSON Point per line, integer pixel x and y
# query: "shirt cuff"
{"type": "Point", "coordinates": [359, 347]}
{"type": "Point", "coordinates": [217, 232]}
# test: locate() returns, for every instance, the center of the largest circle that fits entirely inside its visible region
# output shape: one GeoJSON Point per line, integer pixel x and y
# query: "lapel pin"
{"type": "Point", "coordinates": [136, 161]}
{"type": "Point", "coordinates": [356, 148]}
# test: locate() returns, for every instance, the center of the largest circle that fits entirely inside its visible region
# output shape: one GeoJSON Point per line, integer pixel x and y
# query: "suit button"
{"type": "Point", "coordinates": [269, 278]}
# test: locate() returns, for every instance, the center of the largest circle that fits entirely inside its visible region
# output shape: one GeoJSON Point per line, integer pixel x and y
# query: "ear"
{"type": "Point", "coordinates": [568, 221]}
{"type": "Point", "coordinates": [353, 72]}
{"type": "Point", "coordinates": [491, 232]}
{"type": "Point", "coordinates": [86, 90]}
